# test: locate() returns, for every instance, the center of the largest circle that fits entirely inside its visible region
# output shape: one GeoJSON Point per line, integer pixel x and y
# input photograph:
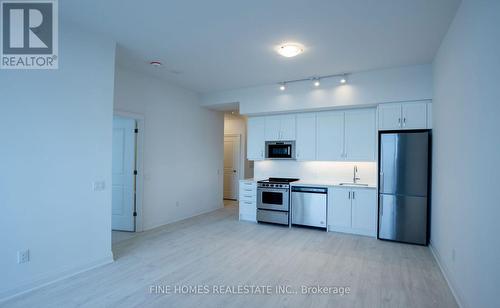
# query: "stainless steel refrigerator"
{"type": "Point", "coordinates": [404, 160]}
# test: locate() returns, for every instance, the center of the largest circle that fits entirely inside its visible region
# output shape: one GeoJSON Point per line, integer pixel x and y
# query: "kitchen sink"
{"type": "Point", "coordinates": [353, 184]}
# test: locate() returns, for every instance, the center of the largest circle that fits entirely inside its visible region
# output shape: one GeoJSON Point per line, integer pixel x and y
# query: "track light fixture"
{"type": "Point", "coordinates": [343, 79]}
{"type": "Point", "coordinates": [315, 80]}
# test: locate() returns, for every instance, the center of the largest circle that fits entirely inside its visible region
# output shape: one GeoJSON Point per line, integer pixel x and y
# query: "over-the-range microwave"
{"type": "Point", "coordinates": [280, 149]}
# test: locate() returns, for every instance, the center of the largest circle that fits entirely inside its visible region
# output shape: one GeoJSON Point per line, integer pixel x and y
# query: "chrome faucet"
{"type": "Point", "coordinates": [355, 177]}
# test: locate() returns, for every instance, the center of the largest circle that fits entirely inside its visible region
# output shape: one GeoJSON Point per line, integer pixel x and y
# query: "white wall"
{"type": "Point", "coordinates": [466, 153]}
{"type": "Point", "coordinates": [316, 171]}
{"type": "Point", "coordinates": [363, 89]}
{"type": "Point", "coordinates": [237, 124]}
{"type": "Point", "coordinates": [183, 148]}
{"type": "Point", "coordinates": [56, 140]}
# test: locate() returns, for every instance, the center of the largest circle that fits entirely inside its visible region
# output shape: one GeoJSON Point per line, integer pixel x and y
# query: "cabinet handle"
{"type": "Point", "coordinates": [262, 153]}
{"type": "Point", "coordinates": [248, 196]}
{"type": "Point", "coordinates": [404, 121]}
{"type": "Point", "coordinates": [353, 195]}
{"type": "Point", "coordinates": [349, 195]}
{"type": "Point", "coordinates": [399, 122]}
{"type": "Point", "coordinates": [248, 202]}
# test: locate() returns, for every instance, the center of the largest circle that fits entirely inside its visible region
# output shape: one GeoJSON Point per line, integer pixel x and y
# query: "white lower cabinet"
{"type": "Point", "coordinates": [248, 200]}
{"type": "Point", "coordinates": [353, 210]}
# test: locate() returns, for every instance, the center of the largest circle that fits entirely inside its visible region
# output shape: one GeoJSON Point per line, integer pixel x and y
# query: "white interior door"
{"type": "Point", "coordinates": [231, 166]}
{"type": "Point", "coordinates": [123, 174]}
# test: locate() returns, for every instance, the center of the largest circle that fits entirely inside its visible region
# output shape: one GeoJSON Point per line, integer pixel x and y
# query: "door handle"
{"type": "Point", "coordinates": [234, 171]}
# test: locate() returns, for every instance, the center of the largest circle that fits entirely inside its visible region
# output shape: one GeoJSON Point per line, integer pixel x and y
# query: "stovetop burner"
{"type": "Point", "coordinates": [279, 180]}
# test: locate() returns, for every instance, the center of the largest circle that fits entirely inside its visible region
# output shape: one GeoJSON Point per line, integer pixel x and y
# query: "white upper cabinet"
{"type": "Point", "coordinates": [288, 127]}
{"type": "Point", "coordinates": [273, 128]}
{"type": "Point", "coordinates": [410, 115]}
{"type": "Point", "coordinates": [330, 135]}
{"type": "Point", "coordinates": [389, 116]}
{"type": "Point", "coordinates": [256, 138]}
{"type": "Point", "coordinates": [429, 115]}
{"type": "Point", "coordinates": [414, 115]}
{"type": "Point", "coordinates": [360, 135]}
{"type": "Point", "coordinates": [306, 137]}
{"type": "Point", "coordinates": [280, 127]}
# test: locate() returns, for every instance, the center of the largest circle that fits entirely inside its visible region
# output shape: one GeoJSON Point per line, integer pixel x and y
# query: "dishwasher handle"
{"type": "Point", "coordinates": [314, 190]}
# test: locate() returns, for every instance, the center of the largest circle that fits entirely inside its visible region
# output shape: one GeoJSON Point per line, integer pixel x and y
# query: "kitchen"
{"type": "Point", "coordinates": [321, 169]}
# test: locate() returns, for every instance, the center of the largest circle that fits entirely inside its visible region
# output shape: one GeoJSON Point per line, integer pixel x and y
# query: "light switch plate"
{"type": "Point", "coordinates": [23, 256]}
{"type": "Point", "coordinates": [98, 185]}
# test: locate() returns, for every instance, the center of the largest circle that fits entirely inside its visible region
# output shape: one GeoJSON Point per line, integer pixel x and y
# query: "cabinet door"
{"type": "Point", "coordinates": [360, 135]}
{"type": "Point", "coordinates": [287, 127]}
{"type": "Point", "coordinates": [273, 128]}
{"type": "Point", "coordinates": [339, 214]}
{"type": "Point", "coordinates": [415, 115]}
{"type": "Point", "coordinates": [256, 134]}
{"type": "Point", "coordinates": [429, 115]}
{"type": "Point", "coordinates": [389, 116]}
{"type": "Point", "coordinates": [364, 211]}
{"type": "Point", "coordinates": [330, 135]}
{"type": "Point", "coordinates": [306, 137]}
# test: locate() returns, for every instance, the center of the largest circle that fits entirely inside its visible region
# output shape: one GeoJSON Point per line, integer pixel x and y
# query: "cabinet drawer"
{"type": "Point", "coordinates": [249, 216]}
{"type": "Point", "coordinates": [248, 194]}
{"type": "Point", "coordinates": [248, 204]}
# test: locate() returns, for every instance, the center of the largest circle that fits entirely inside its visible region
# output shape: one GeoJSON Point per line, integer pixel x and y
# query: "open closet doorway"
{"type": "Point", "coordinates": [126, 176]}
{"type": "Point", "coordinates": [232, 154]}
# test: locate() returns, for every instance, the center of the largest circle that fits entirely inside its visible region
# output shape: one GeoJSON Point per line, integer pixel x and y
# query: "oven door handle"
{"type": "Point", "coordinates": [273, 190]}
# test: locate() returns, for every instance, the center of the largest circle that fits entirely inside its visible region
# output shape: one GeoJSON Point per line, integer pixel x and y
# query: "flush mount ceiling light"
{"type": "Point", "coordinates": [289, 50]}
{"type": "Point", "coordinates": [155, 63]}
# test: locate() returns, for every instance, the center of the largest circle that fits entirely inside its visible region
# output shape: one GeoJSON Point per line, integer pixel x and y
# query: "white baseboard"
{"type": "Point", "coordinates": [148, 228]}
{"type": "Point", "coordinates": [47, 279]}
{"type": "Point", "coordinates": [447, 276]}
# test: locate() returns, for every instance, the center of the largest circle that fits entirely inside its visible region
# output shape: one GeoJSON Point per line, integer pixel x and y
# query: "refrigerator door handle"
{"type": "Point", "coordinates": [381, 207]}
{"type": "Point", "coordinates": [381, 181]}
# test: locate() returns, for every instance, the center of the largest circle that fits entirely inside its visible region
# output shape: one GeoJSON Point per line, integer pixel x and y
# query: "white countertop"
{"type": "Point", "coordinates": [329, 184]}
{"type": "Point", "coordinates": [322, 183]}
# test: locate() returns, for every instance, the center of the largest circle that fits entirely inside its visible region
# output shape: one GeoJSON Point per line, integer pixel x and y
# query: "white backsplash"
{"type": "Point", "coordinates": [316, 170]}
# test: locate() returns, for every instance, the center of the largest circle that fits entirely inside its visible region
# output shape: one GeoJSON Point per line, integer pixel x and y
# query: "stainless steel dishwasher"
{"type": "Point", "coordinates": [309, 206]}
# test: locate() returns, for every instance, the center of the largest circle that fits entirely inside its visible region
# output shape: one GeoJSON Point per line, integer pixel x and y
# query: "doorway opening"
{"type": "Point", "coordinates": [126, 186]}
{"type": "Point", "coordinates": [236, 165]}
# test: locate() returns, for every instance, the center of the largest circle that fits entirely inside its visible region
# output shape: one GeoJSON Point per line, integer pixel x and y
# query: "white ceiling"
{"type": "Point", "coordinates": [223, 44]}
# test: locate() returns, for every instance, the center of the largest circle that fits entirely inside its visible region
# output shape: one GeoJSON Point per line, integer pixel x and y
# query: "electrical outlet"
{"type": "Point", "coordinates": [23, 256]}
{"type": "Point", "coordinates": [98, 185]}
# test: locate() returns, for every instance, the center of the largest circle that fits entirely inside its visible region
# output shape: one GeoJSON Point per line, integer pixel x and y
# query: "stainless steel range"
{"type": "Point", "coordinates": [273, 200]}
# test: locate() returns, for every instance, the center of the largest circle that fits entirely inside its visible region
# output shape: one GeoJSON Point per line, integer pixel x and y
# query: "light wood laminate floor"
{"type": "Point", "coordinates": [217, 249]}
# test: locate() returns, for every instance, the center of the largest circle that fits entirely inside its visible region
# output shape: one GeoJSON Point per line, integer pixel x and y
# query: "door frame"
{"type": "Point", "coordinates": [139, 188]}
{"type": "Point", "coordinates": [241, 165]}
